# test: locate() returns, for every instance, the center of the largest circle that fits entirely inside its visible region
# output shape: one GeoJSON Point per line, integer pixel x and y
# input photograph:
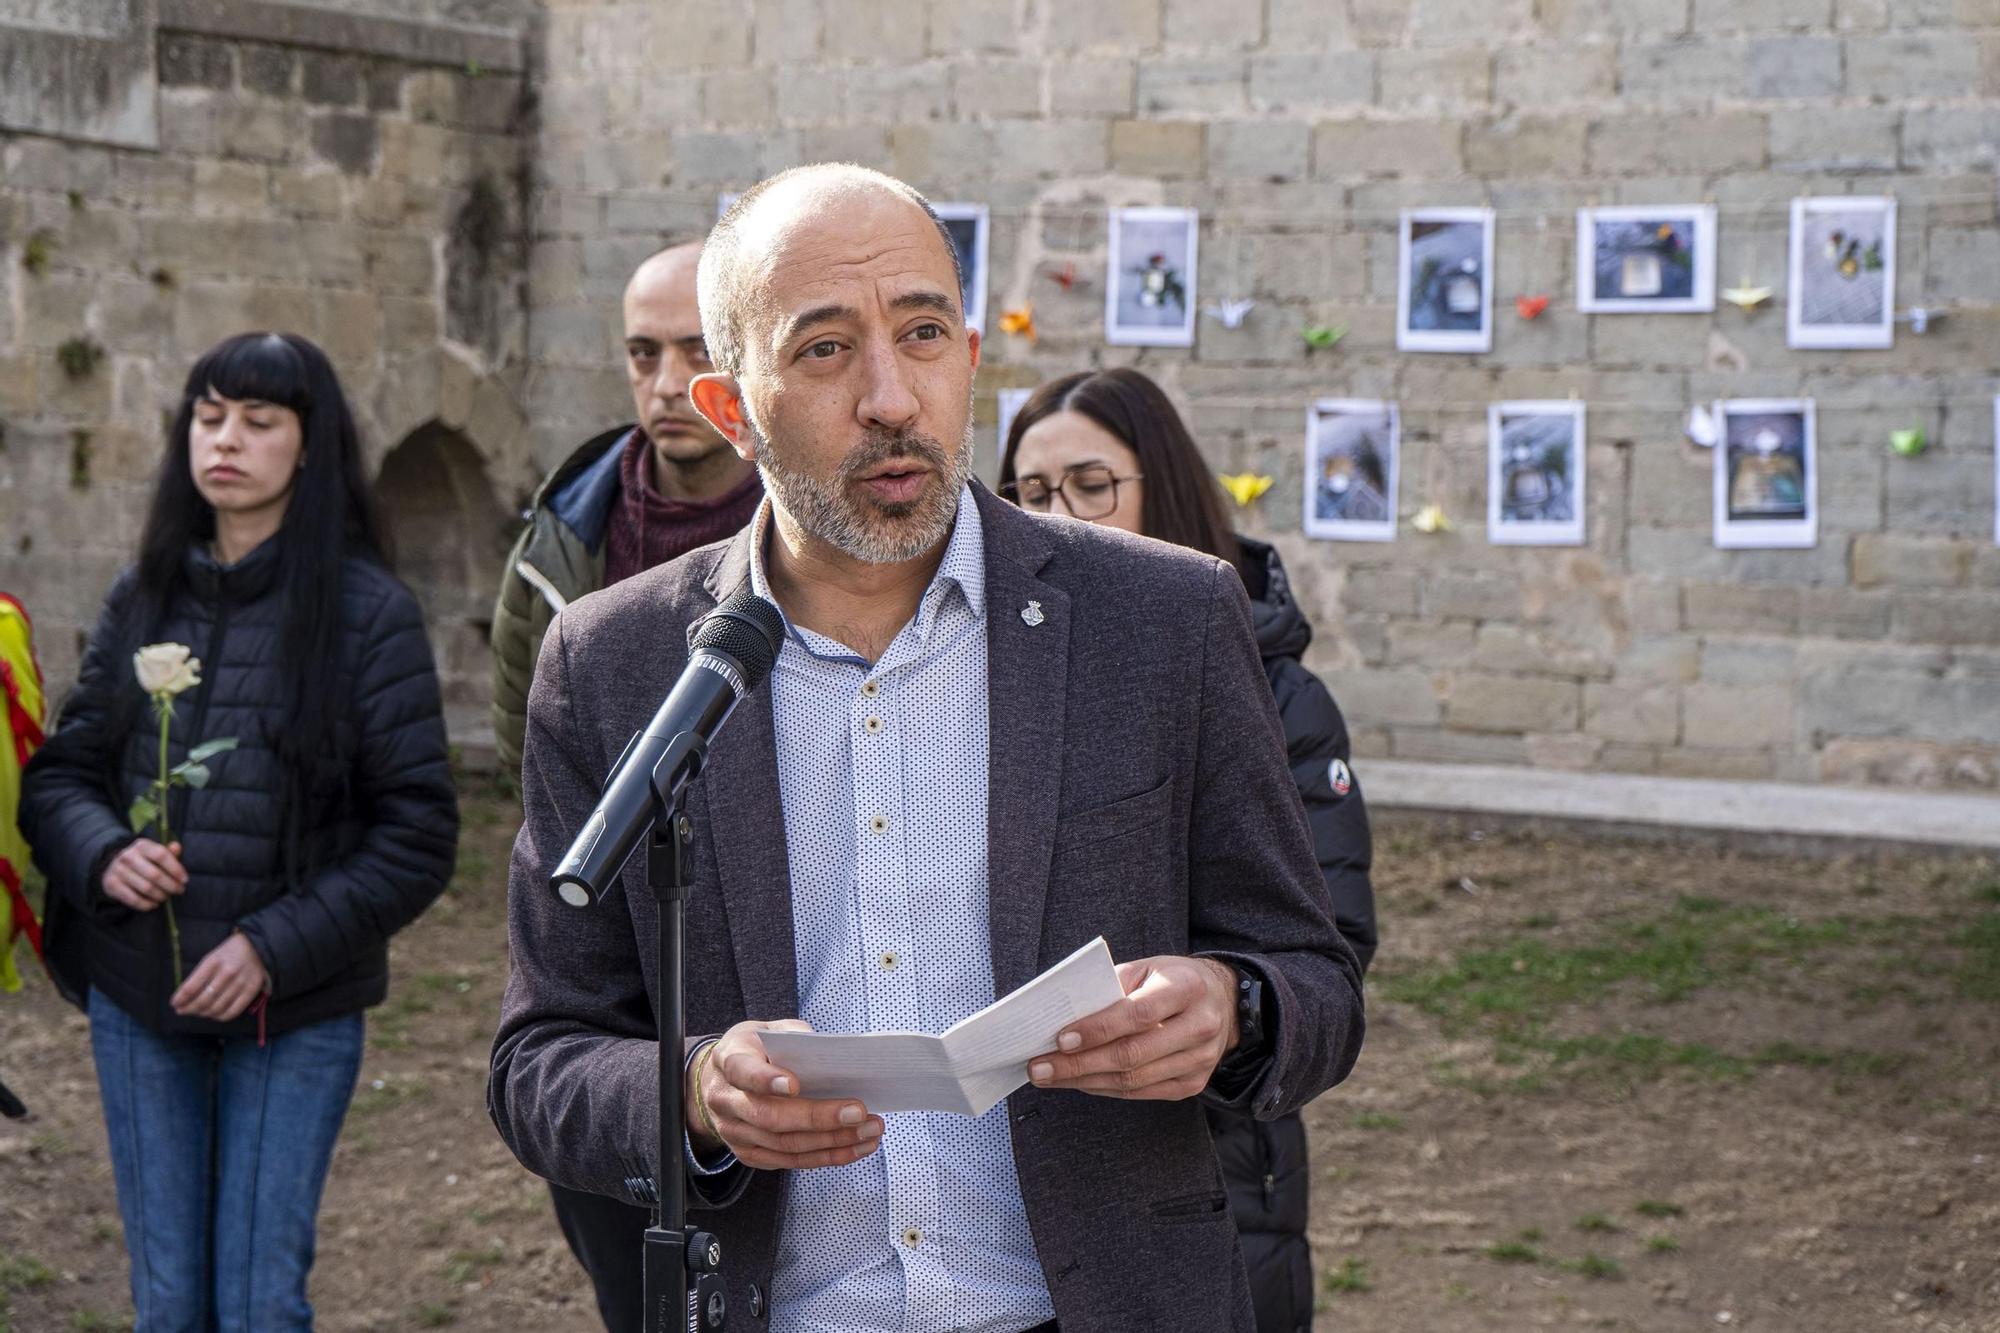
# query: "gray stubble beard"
{"type": "Point", "coordinates": [875, 534]}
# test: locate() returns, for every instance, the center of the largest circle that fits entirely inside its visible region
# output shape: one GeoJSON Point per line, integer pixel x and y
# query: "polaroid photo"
{"type": "Point", "coordinates": [1444, 285]}
{"type": "Point", "coordinates": [1351, 459]}
{"type": "Point", "coordinates": [1645, 260]}
{"type": "Point", "coordinates": [1534, 473]}
{"type": "Point", "coordinates": [1011, 402]}
{"type": "Point", "coordinates": [1149, 288]}
{"type": "Point", "coordinates": [1843, 273]}
{"type": "Point", "coordinates": [1766, 474]}
{"type": "Point", "coordinates": [967, 224]}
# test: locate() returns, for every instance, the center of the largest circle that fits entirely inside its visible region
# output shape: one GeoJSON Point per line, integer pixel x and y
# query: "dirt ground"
{"type": "Point", "coordinates": [1607, 1085]}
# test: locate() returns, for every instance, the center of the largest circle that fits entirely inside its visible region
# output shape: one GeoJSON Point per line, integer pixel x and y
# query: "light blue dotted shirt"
{"type": "Point", "coordinates": [883, 774]}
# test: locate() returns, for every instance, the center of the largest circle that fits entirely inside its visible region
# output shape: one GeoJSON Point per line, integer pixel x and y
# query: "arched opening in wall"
{"type": "Point", "coordinates": [450, 534]}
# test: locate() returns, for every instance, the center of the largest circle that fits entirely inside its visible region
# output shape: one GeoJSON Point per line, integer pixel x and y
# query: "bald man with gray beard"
{"type": "Point", "coordinates": [630, 498]}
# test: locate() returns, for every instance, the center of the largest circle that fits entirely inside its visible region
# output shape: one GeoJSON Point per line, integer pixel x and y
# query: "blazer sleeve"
{"type": "Point", "coordinates": [1315, 741]}
{"type": "Point", "coordinates": [402, 784]}
{"type": "Point", "coordinates": [69, 809]}
{"type": "Point", "coordinates": [573, 1084]}
{"type": "Point", "coordinates": [1256, 897]}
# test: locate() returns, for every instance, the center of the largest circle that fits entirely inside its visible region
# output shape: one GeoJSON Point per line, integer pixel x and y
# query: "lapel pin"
{"type": "Point", "coordinates": [1032, 613]}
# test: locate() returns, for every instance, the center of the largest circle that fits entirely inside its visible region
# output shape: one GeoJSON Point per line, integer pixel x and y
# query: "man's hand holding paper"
{"type": "Point", "coordinates": [759, 1114]}
{"type": "Point", "coordinates": [1161, 1042]}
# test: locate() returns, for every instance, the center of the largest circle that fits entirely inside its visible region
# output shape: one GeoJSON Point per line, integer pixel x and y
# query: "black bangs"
{"type": "Point", "coordinates": [260, 367]}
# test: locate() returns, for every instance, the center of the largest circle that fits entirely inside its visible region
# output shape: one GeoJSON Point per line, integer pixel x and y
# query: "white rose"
{"type": "Point", "coordinates": [166, 668]}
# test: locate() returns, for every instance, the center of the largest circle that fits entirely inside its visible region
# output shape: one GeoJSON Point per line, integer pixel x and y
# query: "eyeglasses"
{"type": "Point", "coordinates": [1090, 491]}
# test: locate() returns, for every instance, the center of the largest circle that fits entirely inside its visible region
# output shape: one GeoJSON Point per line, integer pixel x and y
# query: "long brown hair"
{"type": "Point", "coordinates": [1183, 503]}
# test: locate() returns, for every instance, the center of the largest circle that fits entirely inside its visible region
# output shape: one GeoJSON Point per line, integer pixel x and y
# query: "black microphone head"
{"type": "Point", "coordinates": [748, 630]}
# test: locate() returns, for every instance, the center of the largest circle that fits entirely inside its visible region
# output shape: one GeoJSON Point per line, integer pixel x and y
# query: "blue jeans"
{"type": "Point", "coordinates": [221, 1149]}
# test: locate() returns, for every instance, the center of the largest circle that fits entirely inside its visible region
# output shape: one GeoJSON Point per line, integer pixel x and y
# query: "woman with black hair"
{"type": "Point", "coordinates": [1108, 447]}
{"type": "Point", "coordinates": [226, 1064]}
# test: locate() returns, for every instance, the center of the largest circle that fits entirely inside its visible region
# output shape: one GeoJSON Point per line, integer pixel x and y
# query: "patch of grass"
{"type": "Point", "coordinates": [1539, 921]}
{"type": "Point", "coordinates": [1595, 1222]}
{"type": "Point", "coordinates": [1376, 1120]}
{"type": "Point", "coordinates": [471, 1265]}
{"type": "Point", "coordinates": [1662, 1245]}
{"type": "Point", "coordinates": [1532, 1234]}
{"type": "Point", "coordinates": [1657, 1208]}
{"type": "Point", "coordinates": [1459, 1292]}
{"type": "Point", "coordinates": [1594, 1266]}
{"type": "Point", "coordinates": [37, 252]}
{"type": "Point", "coordinates": [1987, 892]}
{"type": "Point", "coordinates": [104, 1231]}
{"type": "Point", "coordinates": [1865, 1063]}
{"type": "Point", "coordinates": [385, 1094]}
{"type": "Point", "coordinates": [23, 1272]}
{"type": "Point", "coordinates": [1352, 1275]}
{"type": "Point", "coordinates": [1513, 1252]}
{"type": "Point", "coordinates": [90, 1321]}
{"type": "Point", "coordinates": [433, 1314]}
{"type": "Point", "coordinates": [1978, 976]}
{"type": "Point", "coordinates": [80, 356]}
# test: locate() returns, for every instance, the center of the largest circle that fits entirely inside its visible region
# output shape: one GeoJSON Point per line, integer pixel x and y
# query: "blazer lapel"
{"type": "Point", "coordinates": [746, 818]}
{"type": "Point", "coordinates": [1027, 644]}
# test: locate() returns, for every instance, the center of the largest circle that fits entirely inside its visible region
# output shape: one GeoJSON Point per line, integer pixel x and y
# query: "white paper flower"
{"type": "Point", "coordinates": [166, 669]}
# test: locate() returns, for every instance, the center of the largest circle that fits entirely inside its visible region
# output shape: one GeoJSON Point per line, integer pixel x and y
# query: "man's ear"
{"type": "Point", "coordinates": [720, 402]}
{"type": "Point", "coordinates": [972, 341]}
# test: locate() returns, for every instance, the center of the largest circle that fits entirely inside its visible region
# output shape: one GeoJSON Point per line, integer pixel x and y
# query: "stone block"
{"type": "Point", "coordinates": [1385, 698]}
{"type": "Point", "coordinates": [1897, 560]}
{"type": "Point", "coordinates": [1684, 69]}
{"type": "Point", "coordinates": [308, 195]}
{"type": "Point", "coordinates": [899, 94]}
{"type": "Point", "coordinates": [1163, 149]}
{"type": "Point", "coordinates": [1422, 644]}
{"type": "Point", "coordinates": [1292, 25]}
{"type": "Point", "coordinates": [790, 30]}
{"type": "Point", "coordinates": [1444, 79]}
{"type": "Point", "coordinates": [1543, 76]}
{"type": "Point", "coordinates": [1057, 147]}
{"type": "Point", "coordinates": [1419, 150]}
{"type": "Point", "coordinates": [1478, 701]}
{"type": "Point", "coordinates": [332, 80]}
{"type": "Point", "coordinates": [1381, 588]}
{"type": "Point", "coordinates": [1835, 138]}
{"type": "Point", "coordinates": [1837, 613]}
{"type": "Point", "coordinates": [989, 87]}
{"type": "Point", "coordinates": [187, 61]}
{"type": "Point", "coordinates": [1642, 145]}
{"type": "Point", "coordinates": [1922, 65]}
{"type": "Point", "coordinates": [709, 37]}
{"type": "Point", "coordinates": [348, 142]}
{"type": "Point", "coordinates": [1796, 67]}
{"type": "Point", "coordinates": [1093, 88]}
{"type": "Point", "coordinates": [1526, 146]}
{"type": "Point", "coordinates": [1185, 86]}
{"type": "Point", "coordinates": [941, 151]}
{"type": "Point", "coordinates": [1761, 609]}
{"type": "Point", "coordinates": [1450, 22]}
{"type": "Point", "coordinates": [1946, 617]}
{"type": "Point", "coordinates": [707, 157]}
{"type": "Point", "coordinates": [1941, 494]}
{"type": "Point", "coordinates": [1207, 26]}
{"type": "Point", "coordinates": [271, 70]}
{"type": "Point", "coordinates": [1430, 746]}
{"type": "Point", "coordinates": [1730, 660]}
{"type": "Point", "coordinates": [1293, 80]}
{"type": "Point", "coordinates": [1129, 25]}
{"type": "Point", "coordinates": [1638, 18]}
{"type": "Point", "coordinates": [1259, 148]}
{"type": "Point", "coordinates": [1737, 716]}
{"type": "Point", "coordinates": [1761, 15]}
{"type": "Point", "coordinates": [1461, 594]}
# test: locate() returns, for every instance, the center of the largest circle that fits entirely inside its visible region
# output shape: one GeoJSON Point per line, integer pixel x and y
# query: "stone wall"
{"type": "Point", "coordinates": [352, 177]}
{"type": "Point", "coordinates": [1300, 128]}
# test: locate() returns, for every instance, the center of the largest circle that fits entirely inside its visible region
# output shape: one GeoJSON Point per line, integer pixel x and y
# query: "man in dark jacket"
{"type": "Point", "coordinates": [1264, 1162]}
{"type": "Point", "coordinates": [629, 499]}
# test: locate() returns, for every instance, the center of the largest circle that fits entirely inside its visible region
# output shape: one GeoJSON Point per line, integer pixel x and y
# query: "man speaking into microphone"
{"type": "Point", "coordinates": [989, 737]}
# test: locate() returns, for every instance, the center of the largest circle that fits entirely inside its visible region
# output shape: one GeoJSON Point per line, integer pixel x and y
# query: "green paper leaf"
{"type": "Point", "coordinates": [1324, 337]}
{"type": "Point", "coordinates": [210, 749]}
{"type": "Point", "coordinates": [192, 774]}
{"type": "Point", "coordinates": [142, 814]}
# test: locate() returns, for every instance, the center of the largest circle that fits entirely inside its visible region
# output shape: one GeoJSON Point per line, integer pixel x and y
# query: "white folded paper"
{"type": "Point", "coordinates": [975, 1063]}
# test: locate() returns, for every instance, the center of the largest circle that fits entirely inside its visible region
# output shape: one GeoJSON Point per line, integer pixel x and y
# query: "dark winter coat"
{"type": "Point", "coordinates": [379, 826]}
{"type": "Point", "coordinates": [1264, 1162]}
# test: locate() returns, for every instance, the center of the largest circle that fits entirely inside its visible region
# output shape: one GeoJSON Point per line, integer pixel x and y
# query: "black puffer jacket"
{"type": "Point", "coordinates": [1264, 1163]}
{"type": "Point", "coordinates": [379, 827]}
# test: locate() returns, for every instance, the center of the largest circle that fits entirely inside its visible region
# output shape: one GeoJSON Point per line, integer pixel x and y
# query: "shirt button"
{"type": "Point", "coordinates": [871, 688]}
{"type": "Point", "coordinates": [874, 726]}
{"type": "Point", "coordinates": [889, 961]}
{"type": "Point", "coordinates": [879, 824]}
{"type": "Point", "coordinates": [913, 1237]}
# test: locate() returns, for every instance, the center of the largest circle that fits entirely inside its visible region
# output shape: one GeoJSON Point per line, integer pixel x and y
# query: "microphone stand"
{"type": "Point", "coordinates": [683, 1279]}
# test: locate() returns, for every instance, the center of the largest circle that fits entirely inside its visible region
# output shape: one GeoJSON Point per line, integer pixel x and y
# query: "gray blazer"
{"type": "Point", "coordinates": [1139, 791]}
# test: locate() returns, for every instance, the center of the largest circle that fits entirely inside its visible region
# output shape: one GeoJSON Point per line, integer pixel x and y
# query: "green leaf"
{"type": "Point", "coordinates": [192, 774]}
{"type": "Point", "coordinates": [210, 749]}
{"type": "Point", "coordinates": [143, 812]}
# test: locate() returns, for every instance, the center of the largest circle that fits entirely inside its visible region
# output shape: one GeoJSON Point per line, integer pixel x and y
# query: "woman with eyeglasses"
{"type": "Point", "coordinates": [1108, 447]}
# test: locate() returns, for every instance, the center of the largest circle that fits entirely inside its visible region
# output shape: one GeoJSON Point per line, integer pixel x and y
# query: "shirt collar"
{"type": "Point", "coordinates": [963, 566]}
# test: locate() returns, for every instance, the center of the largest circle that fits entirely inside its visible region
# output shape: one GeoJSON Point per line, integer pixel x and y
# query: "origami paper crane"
{"type": "Point", "coordinates": [1530, 307]}
{"type": "Point", "coordinates": [1020, 322]}
{"type": "Point", "coordinates": [1245, 487]}
{"type": "Point", "coordinates": [1431, 519]}
{"type": "Point", "coordinates": [1745, 297]}
{"type": "Point", "coordinates": [1230, 313]}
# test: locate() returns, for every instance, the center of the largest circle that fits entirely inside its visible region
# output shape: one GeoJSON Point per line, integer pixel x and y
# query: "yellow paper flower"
{"type": "Point", "coordinates": [1020, 322]}
{"type": "Point", "coordinates": [1431, 519]}
{"type": "Point", "coordinates": [1245, 487]}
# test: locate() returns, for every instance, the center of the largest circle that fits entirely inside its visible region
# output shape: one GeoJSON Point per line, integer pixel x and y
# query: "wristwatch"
{"type": "Point", "coordinates": [1253, 1025]}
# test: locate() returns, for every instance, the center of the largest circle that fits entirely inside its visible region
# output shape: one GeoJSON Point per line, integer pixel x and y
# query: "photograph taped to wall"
{"type": "Point", "coordinates": [1444, 288]}
{"type": "Point", "coordinates": [1351, 461]}
{"type": "Point", "coordinates": [967, 224]}
{"type": "Point", "coordinates": [1535, 473]}
{"type": "Point", "coordinates": [1766, 474]}
{"type": "Point", "coordinates": [1149, 287]}
{"type": "Point", "coordinates": [1645, 260]}
{"type": "Point", "coordinates": [1011, 402]}
{"type": "Point", "coordinates": [1843, 273]}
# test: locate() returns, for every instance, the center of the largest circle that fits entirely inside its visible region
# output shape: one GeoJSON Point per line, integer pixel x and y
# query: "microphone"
{"type": "Point", "coordinates": [731, 653]}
